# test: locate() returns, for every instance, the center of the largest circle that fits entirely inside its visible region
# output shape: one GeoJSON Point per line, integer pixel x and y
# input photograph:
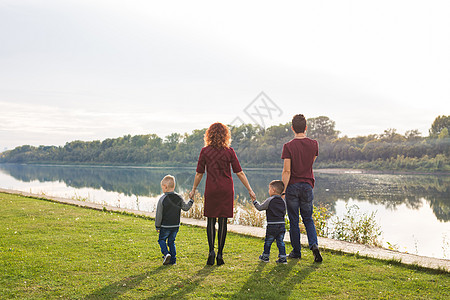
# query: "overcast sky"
{"type": "Point", "coordinates": [86, 70]}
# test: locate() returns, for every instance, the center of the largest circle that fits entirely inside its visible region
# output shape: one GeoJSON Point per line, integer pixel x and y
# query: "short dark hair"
{"type": "Point", "coordinates": [278, 185]}
{"type": "Point", "coordinates": [299, 123]}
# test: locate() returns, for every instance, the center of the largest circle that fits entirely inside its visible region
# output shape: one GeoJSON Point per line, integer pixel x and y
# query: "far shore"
{"type": "Point", "coordinates": [246, 168]}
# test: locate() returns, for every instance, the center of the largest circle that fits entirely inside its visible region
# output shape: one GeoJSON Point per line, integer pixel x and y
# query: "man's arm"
{"type": "Point", "coordinates": [286, 175]}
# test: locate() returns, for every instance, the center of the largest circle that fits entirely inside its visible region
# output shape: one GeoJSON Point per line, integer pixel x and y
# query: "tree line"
{"type": "Point", "coordinates": [258, 147]}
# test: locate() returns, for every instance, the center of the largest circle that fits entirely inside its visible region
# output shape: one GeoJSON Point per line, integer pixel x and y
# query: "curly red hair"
{"type": "Point", "coordinates": [218, 135]}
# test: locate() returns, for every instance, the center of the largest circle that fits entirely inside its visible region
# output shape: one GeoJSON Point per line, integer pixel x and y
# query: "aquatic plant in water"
{"type": "Point", "coordinates": [356, 227]}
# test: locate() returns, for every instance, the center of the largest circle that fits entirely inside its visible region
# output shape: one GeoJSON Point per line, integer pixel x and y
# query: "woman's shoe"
{"type": "Point", "coordinates": [220, 260]}
{"type": "Point", "coordinates": [211, 257]}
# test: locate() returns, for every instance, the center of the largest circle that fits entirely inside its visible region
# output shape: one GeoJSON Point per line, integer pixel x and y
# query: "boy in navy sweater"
{"type": "Point", "coordinates": [275, 207]}
{"type": "Point", "coordinates": [167, 219]}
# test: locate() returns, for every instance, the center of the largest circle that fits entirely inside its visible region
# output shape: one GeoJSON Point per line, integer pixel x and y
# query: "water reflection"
{"type": "Point", "coordinates": [390, 191]}
{"type": "Point", "coordinates": [128, 181]}
{"type": "Point", "coordinates": [381, 189]}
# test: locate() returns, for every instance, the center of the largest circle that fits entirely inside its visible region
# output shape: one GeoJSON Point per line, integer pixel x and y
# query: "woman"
{"type": "Point", "coordinates": [216, 158]}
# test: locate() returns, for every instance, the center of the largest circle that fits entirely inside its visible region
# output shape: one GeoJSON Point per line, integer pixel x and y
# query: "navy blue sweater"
{"type": "Point", "coordinates": [275, 207]}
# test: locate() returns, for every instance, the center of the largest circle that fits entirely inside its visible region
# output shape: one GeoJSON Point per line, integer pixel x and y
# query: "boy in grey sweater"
{"type": "Point", "coordinates": [167, 219]}
{"type": "Point", "coordinates": [275, 207]}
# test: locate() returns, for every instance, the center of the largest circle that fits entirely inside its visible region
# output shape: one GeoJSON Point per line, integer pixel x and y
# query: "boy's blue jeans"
{"type": "Point", "coordinates": [299, 196]}
{"type": "Point", "coordinates": [275, 232]}
{"type": "Point", "coordinates": [169, 235]}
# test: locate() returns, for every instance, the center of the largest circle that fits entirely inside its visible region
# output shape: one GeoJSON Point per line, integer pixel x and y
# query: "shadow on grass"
{"type": "Point", "coordinates": [118, 288]}
{"type": "Point", "coordinates": [181, 290]}
{"type": "Point", "coordinates": [276, 284]}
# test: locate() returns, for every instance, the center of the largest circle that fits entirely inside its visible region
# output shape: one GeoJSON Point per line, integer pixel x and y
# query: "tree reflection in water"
{"type": "Point", "coordinates": [382, 189]}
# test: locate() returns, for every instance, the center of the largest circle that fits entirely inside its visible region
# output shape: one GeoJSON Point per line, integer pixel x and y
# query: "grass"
{"type": "Point", "coordinates": [54, 251]}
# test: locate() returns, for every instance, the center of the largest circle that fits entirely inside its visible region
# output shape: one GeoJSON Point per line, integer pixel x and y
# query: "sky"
{"type": "Point", "coordinates": [91, 70]}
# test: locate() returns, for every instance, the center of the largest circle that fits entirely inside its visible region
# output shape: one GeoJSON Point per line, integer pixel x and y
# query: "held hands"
{"type": "Point", "coordinates": [192, 194]}
{"type": "Point", "coordinates": [250, 192]}
{"type": "Point", "coordinates": [252, 195]}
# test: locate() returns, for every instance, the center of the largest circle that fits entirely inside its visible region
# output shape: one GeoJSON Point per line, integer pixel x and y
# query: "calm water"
{"type": "Point", "coordinates": [413, 210]}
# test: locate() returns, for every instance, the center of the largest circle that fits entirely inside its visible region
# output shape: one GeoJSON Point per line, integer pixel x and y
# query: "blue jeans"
{"type": "Point", "coordinates": [275, 232]}
{"type": "Point", "coordinates": [169, 235]}
{"type": "Point", "coordinates": [299, 196]}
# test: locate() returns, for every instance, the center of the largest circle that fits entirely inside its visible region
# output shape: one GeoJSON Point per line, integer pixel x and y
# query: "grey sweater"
{"type": "Point", "coordinates": [169, 208]}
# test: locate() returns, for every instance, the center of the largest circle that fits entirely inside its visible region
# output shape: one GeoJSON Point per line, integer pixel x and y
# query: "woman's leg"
{"type": "Point", "coordinates": [211, 233]}
{"type": "Point", "coordinates": [221, 239]}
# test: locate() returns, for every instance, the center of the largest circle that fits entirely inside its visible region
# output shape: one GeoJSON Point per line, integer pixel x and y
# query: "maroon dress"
{"type": "Point", "coordinates": [219, 189]}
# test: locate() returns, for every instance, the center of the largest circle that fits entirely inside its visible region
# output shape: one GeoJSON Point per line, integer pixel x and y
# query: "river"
{"type": "Point", "coordinates": [413, 211]}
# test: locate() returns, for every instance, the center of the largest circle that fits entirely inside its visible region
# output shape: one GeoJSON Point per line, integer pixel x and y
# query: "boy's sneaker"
{"type": "Point", "coordinates": [281, 261]}
{"type": "Point", "coordinates": [263, 258]}
{"type": "Point", "coordinates": [166, 260]}
{"type": "Point", "coordinates": [316, 252]}
{"type": "Point", "coordinates": [294, 255]}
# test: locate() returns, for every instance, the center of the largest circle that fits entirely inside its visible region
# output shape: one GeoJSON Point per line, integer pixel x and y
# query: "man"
{"type": "Point", "coordinates": [299, 155]}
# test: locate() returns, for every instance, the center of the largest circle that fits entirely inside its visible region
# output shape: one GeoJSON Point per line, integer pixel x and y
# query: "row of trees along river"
{"type": "Point", "coordinates": [258, 147]}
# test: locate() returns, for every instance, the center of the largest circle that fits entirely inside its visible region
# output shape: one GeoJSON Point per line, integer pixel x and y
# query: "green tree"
{"type": "Point", "coordinates": [411, 135]}
{"type": "Point", "coordinates": [173, 138]}
{"type": "Point", "coordinates": [439, 124]}
{"type": "Point", "coordinates": [322, 129]}
{"type": "Point", "coordinates": [443, 134]}
{"type": "Point", "coordinates": [391, 135]}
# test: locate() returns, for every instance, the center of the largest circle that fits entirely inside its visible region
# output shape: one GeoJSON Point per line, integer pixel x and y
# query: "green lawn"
{"type": "Point", "coordinates": [55, 251]}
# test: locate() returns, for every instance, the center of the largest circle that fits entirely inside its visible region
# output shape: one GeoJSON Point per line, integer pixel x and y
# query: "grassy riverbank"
{"type": "Point", "coordinates": [49, 250]}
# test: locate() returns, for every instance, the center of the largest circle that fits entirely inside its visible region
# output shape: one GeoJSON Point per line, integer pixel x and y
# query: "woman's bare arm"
{"type": "Point", "coordinates": [197, 180]}
{"type": "Point", "coordinates": [244, 180]}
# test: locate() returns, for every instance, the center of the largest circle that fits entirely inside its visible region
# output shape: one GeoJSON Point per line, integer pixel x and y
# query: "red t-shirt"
{"type": "Point", "coordinates": [302, 153]}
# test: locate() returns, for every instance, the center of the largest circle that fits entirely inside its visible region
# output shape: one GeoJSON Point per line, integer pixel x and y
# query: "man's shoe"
{"type": "Point", "coordinates": [166, 260]}
{"type": "Point", "coordinates": [263, 258]}
{"type": "Point", "coordinates": [316, 252]}
{"type": "Point", "coordinates": [294, 255]}
{"type": "Point", "coordinates": [281, 261]}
